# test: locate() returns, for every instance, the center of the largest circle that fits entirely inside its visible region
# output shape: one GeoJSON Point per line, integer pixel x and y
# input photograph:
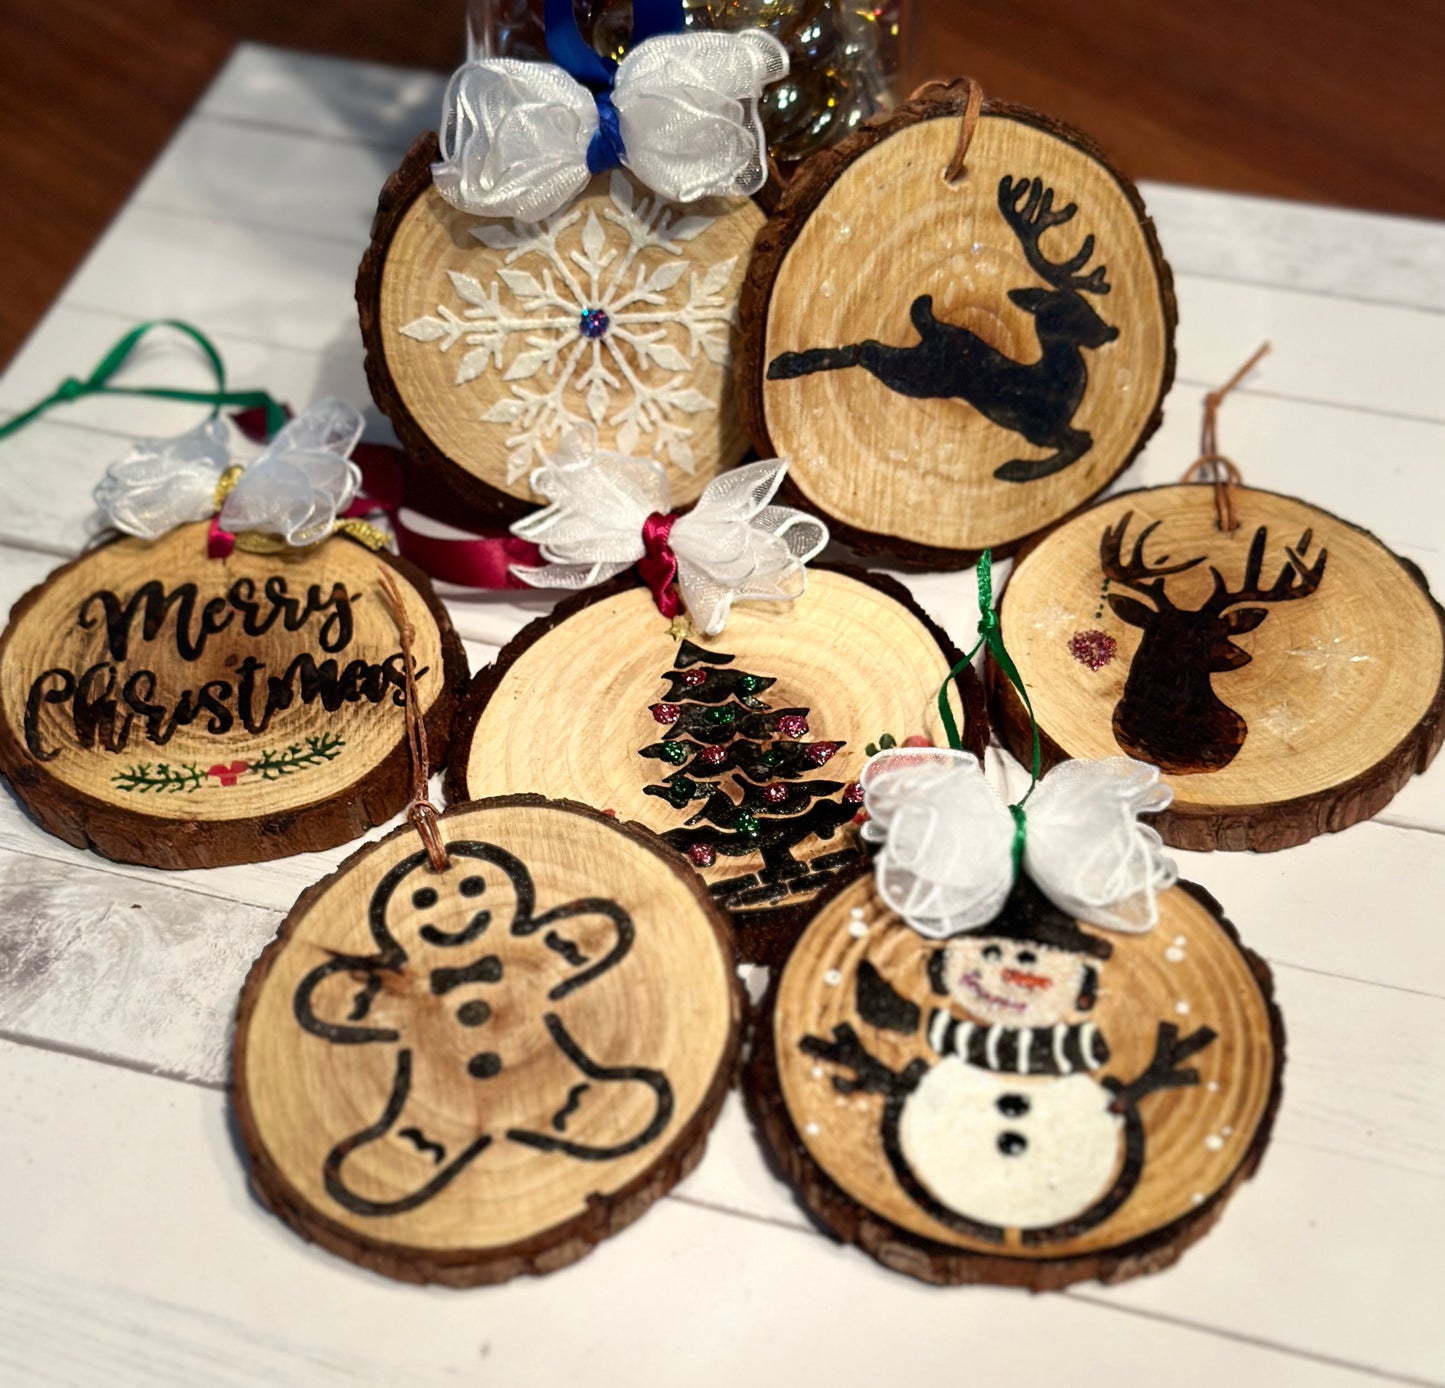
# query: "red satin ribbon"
{"type": "Point", "coordinates": [658, 566]}
{"type": "Point", "coordinates": [481, 560]}
{"type": "Point", "coordinates": [219, 543]}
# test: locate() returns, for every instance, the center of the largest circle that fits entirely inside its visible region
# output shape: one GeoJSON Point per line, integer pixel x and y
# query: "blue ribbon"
{"type": "Point", "coordinates": [571, 52]}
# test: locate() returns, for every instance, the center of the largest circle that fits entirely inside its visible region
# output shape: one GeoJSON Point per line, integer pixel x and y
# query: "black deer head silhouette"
{"type": "Point", "coordinates": [1036, 399]}
{"type": "Point", "coordinates": [1169, 713]}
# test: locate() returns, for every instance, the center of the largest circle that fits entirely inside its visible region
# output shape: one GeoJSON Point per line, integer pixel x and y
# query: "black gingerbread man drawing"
{"type": "Point", "coordinates": [468, 982]}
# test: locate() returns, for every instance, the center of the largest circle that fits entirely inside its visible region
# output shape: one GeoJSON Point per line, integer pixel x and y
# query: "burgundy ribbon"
{"type": "Point", "coordinates": [482, 560]}
{"type": "Point", "coordinates": [658, 566]}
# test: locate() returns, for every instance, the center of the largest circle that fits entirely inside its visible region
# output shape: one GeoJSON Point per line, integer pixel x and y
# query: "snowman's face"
{"type": "Point", "coordinates": [1016, 982]}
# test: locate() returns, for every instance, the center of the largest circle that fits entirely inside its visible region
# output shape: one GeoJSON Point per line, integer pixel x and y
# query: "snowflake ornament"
{"type": "Point", "coordinates": [607, 308]}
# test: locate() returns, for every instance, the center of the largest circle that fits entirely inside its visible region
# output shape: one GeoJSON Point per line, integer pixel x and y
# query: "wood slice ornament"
{"type": "Point", "coordinates": [1032, 1103]}
{"type": "Point", "coordinates": [741, 750]}
{"type": "Point", "coordinates": [167, 708]}
{"type": "Point", "coordinates": [489, 339]}
{"type": "Point", "coordinates": [465, 1075]}
{"type": "Point", "coordinates": [953, 360]}
{"type": "Point", "coordinates": [1288, 677]}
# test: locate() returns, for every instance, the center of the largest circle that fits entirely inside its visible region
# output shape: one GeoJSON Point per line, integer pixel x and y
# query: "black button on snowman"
{"type": "Point", "coordinates": [1013, 1125]}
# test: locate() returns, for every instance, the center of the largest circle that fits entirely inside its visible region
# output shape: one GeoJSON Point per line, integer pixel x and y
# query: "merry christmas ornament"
{"type": "Point", "coordinates": [958, 327]}
{"type": "Point", "coordinates": [197, 693]}
{"type": "Point", "coordinates": [571, 253]}
{"type": "Point", "coordinates": [463, 1070]}
{"type": "Point", "coordinates": [742, 749]}
{"type": "Point", "coordinates": [1016, 1053]}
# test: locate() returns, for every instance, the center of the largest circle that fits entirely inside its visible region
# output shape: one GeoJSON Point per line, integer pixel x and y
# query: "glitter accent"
{"type": "Point", "coordinates": [750, 684]}
{"type": "Point", "coordinates": [594, 323]}
{"type": "Point", "coordinates": [854, 794]}
{"type": "Point", "coordinates": [720, 716]}
{"type": "Point", "coordinates": [713, 756]}
{"type": "Point", "coordinates": [746, 823]}
{"type": "Point", "coordinates": [775, 794]}
{"type": "Point", "coordinates": [1093, 648]}
{"type": "Point", "coordinates": [693, 678]}
{"type": "Point", "coordinates": [666, 713]}
{"type": "Point", "coordinates": [821, 752]}
{"type": "Point", "coordinates": [702, 854]}
{"type": "Point", "coordinates": [681, 790]}
{"type": "Point", "coordinates": [675, 752]}
{"type": "Point", "coordinates": [793, 725]}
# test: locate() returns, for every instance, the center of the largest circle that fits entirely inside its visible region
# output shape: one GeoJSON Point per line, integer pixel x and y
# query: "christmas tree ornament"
{"type": "Point", "coordinates": [1017, 1052]}
{"type": "Point", "coordinates": [571, 252]}
{"type": "Point", "coordinates": [742, 750]}
{"type": "Point", "coordinates": [1283, 668]}
{"type": "Point", "coordinates": [199, 692]}
{"type": "Point", "coordinates": [957, 326]}
{"type": "Point", "coordinates": [462, 1058]}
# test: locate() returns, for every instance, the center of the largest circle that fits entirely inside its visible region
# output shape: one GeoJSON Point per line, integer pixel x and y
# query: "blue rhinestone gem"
{"type": "Point", "coordinates": [595, 323]}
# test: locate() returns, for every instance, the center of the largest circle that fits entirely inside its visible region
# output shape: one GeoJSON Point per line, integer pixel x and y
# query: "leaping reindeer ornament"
{"type": "Point", "coordinates": [1035, 399]}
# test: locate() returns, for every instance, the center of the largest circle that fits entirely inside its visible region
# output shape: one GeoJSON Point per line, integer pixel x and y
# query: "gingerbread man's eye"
{"type": "Point", "coordinates": [1027, 956]}
{"type": "Point", "coordinates": [993, 952]}
{"type": "Point", "coordinates": [424, 899]}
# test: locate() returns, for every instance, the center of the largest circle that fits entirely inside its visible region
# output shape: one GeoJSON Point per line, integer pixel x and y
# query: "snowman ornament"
{"type": "Point", "coordinates": [1017, 1121]}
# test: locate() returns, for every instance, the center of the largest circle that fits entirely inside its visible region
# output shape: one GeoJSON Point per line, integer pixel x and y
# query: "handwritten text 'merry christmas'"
{"type": "Point", "coordinates": [107, 700]}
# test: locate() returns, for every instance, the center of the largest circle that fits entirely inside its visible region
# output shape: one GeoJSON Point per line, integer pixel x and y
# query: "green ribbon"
{"type": "Point", "coordinates": [990, 635]}
{"type": "Point", "coordinates": [98, 383]}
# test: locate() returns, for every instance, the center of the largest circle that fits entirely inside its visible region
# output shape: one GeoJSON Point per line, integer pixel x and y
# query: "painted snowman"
{"type": "Point", "coordinates": [1015, 1125]}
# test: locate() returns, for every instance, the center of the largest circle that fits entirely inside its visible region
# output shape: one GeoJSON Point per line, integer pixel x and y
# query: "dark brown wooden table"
{"type": "Point", "coordinates": [1323, 100]}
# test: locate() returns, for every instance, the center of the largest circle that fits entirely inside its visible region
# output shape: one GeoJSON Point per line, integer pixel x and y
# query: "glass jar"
{"type": "Point", "coordinates": [845, 54]}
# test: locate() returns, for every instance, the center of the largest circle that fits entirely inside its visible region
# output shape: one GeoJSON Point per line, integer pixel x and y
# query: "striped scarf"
{"type": "Point", "coordinates": [1057, 1050]}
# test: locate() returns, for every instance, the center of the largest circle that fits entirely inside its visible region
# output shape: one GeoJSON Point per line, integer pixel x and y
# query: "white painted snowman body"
{"type": "Point", "coordinates": [1016, 1151]}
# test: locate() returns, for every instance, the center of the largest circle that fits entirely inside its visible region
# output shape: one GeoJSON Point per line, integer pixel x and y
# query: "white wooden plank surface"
{"type": "Point", "coordinates": [750, 1302]}
{"type": "Point", "coordinates": [1325, 1270]}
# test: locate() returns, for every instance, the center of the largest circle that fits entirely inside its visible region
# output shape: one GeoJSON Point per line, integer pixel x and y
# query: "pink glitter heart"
{"type": "Point", "coordinates": [1093, 648]}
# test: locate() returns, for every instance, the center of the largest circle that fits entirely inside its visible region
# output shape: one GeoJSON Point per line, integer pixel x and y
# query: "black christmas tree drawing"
{"type": "Point", "coordinates": [748, 764]}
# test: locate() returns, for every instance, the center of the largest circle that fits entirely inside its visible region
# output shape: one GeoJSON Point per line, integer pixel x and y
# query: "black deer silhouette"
{"type": "Point", "coordinates": [1169, 713]}
{"type": "Point", "coordinates": [1036, 399]}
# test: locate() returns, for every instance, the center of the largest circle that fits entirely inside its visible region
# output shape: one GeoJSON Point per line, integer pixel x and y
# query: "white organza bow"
{"type": "Point", "coordinates": [163, 483]}
{"type": "Point", "coordinates": [731, 547]}
{"type": "Point", "coordinates": [296, 489]}
{"type": "Point", "coordinates": [946, 864]}
{"type": "Point", "coordinates": [303, 481]}
{"type": "Point", "coordinates": [516, 135]}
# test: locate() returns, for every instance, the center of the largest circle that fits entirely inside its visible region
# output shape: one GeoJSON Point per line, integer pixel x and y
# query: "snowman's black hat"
{"type": "Point", "coordinates": [1029, 915]}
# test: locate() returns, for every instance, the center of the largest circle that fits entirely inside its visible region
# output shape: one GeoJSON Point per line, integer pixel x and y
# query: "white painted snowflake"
{"type": "Point", "coordinates": [587, 319]}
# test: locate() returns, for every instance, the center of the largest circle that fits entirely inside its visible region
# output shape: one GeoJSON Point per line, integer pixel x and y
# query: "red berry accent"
{"type": "Point", "coordinates": [713, 756]}
{"type": "Point", "coordinates": [702, 854]}
{"type": "Point", "coordinates": [917, 740]}
{"type": "Point", "coordinates": [666, 713]}
{"type": "Point", "coordinates": [793, 725]}
{"type": "Point", "coordinates": [854, 794]}
{"type": "Point", "coordinates": [861, 817]}
{"type": "Point", "coordinates": [821, 752]}
{"type": "Point", "coordinates": [611, 814]}
{"type": "Point", "coordinates": [693, 678]}
{"type": "Point", "coordinates": [228, 775]}
{"type": "Point", "coordinates": [1093, 648]}
{"type": "Point", "coordinates": [776, 793]}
